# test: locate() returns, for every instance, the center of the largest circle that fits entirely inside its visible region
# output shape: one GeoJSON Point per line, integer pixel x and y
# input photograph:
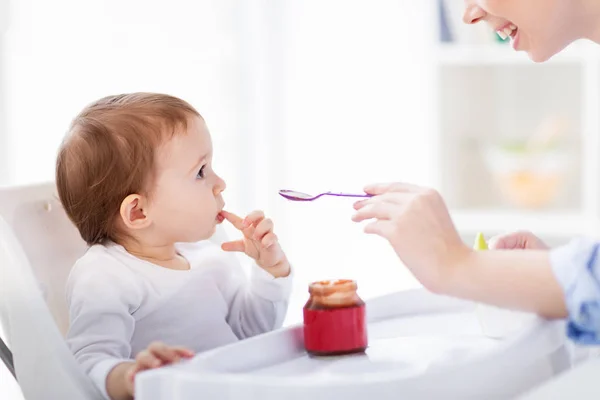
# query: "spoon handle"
{"type": "Point", "coordinates": [348, 194]}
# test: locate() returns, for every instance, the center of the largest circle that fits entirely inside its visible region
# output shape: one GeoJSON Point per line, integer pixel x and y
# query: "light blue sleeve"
{"type": "Point", "coordinates": [577, 269]}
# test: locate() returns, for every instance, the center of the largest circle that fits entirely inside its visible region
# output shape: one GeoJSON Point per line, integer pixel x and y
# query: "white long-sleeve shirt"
{"type": "Point", "coordinates": [119, 304]}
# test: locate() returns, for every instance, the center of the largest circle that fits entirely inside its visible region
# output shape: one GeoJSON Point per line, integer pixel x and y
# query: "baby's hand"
{"type": "Point", "coordinates": [259, 242]}
{"type": "Point", "coordinates": [156, 355]}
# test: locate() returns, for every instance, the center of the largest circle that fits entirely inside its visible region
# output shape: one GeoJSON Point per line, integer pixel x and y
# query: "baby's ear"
{"type": "Point", "coordinates": [132, 212]}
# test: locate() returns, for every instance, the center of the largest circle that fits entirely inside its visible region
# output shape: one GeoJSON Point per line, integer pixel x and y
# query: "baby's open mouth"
{"type": "Point", "coordinates": [220, 218]}
{"type": "Point", "coordinates": [509, 30]}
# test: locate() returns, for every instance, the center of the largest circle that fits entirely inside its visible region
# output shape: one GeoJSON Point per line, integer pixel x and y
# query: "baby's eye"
{"type": "Point", "coordinates": [200, 173]}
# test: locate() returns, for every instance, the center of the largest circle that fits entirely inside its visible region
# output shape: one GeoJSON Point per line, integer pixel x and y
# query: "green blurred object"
{"type": "Point", "coordinates": [480, 243]}
{"type": "Point", "coordinates": [524, 147]}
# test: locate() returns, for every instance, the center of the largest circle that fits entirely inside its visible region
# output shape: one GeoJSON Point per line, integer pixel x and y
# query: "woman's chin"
{"type": "Point", "coordinates": [543, 55]}
{"type": "Point", "coordinates": [538, 57]}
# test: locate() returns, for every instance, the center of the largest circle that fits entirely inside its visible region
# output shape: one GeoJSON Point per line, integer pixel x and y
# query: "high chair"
{"type": "Point", "coordinates": [38, 247]}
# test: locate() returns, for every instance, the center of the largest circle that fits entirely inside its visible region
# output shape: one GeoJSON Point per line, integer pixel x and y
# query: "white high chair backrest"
{"type": "Point", "coordinates": [38, 247]}
{"type": "Point", "coordinates": [50, 241]}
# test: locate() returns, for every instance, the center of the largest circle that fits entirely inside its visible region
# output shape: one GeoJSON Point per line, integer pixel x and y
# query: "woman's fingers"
{"type": "Point", "coordinates": [392, 197]}
{"type": "Point", "coordinates": [380, 210]}
{"type": "Point", "coordinates": [379, 227]}
{"type": "Point", "coordinates": [381, 188]}
{"type": "Point", "coordinates": [517, 240]}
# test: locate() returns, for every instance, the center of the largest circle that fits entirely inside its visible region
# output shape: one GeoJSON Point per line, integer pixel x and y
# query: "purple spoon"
{"type": "Point", "coordinates": [299, 196]}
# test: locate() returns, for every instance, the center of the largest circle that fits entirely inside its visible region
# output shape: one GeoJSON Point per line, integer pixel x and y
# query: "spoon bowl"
{"type": "Point", "coordinates": [294, 195]}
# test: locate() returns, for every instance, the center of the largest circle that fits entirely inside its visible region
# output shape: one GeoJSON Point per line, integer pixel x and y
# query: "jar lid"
{"type": "Point", "coordinates": [329, 287]}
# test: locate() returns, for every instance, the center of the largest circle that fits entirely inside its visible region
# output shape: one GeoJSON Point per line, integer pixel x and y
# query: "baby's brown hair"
{"type": "Point", "coordinates": [109, 153]}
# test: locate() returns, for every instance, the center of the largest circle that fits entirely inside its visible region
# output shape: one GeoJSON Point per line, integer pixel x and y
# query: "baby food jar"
{"type": "Point", "coordinates": [334, 319]}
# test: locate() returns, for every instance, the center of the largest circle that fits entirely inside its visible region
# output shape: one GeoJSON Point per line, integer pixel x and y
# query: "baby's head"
{"type": "Point", "coordinates": [138, 167]}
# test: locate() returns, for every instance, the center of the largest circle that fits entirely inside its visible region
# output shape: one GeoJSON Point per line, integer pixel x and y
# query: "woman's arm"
{"type": "Point", "coordinates": [516, 279]}
{"type": "Point", "coordinates": [564, 282]}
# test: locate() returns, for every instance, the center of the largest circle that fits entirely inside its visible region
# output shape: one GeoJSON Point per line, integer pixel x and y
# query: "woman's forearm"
{"type": "Point", "coordinates": [517, 279]}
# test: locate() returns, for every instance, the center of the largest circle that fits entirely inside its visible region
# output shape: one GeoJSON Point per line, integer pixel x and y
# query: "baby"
{"type": "Point", "coordinates": [135, 176]}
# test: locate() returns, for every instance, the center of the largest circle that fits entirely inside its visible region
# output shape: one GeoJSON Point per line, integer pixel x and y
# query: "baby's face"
{"type": "Point", "coordinates": [186, 199]}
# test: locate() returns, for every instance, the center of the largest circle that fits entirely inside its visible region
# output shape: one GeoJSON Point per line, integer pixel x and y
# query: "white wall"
{"type": "Point", "coordinates": [61, 55]}
{"type": "Point", "coordinates": [357, 107]}
{"type": "Point", "coordinates": [303, 94]}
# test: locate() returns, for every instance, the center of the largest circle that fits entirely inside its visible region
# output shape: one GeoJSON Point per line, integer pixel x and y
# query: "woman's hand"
{"type": "Point", "coordinates": [259, 242]}
{"type": "Point", "coordinates": [417, 224]}
{"type": "Point", "coordinates": [517, 240]}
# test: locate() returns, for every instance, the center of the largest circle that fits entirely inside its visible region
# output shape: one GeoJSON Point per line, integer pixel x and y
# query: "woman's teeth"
{"type": "Point", "coordinates": [506, 32]}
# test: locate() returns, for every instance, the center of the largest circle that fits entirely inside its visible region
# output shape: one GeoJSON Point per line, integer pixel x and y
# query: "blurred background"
{"type": "Point", "coordinates": [317, 96]}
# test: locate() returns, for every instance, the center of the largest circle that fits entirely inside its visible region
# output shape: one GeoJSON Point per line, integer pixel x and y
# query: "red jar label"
{"type": "Point", "coordinates": [335, 330]}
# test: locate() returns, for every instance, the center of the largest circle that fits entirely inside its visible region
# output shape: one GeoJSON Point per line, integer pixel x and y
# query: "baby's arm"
{"type": "Point", "coordinates": [120, 380]}
{"type": "Point", "coordinates": [101, 303]}
{"type": "Point", "coordinates": [260, 304]}
{"type": "Point", "coordinates": [256, 305]}
{"type": "Point", "coordinates": [102, 298]}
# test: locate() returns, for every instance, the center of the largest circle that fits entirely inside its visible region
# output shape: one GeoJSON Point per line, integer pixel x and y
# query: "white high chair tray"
{"type": "Point", "coordinates": [421, 346]}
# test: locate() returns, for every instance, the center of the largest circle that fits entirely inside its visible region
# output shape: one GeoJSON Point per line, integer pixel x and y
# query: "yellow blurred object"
{"type": "Point", "coordinates": [480, 243]}
{"type": "Point", "coordinates": [530, 189]}
{"type": "Point", "coordinates": [531, 173]}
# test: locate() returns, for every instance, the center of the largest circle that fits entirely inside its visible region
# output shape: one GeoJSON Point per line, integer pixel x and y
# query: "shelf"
{"type": "Point", "coordinates": [561, 224]}
{"type": "Point", "coordinates": [494, 54]}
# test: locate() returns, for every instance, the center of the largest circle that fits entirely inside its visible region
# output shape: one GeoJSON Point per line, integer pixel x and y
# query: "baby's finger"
{"type": "Point", "coordinates": [236, 221]}
{"type": "Point", "coordinates": [269, 240]}
{"type": "Point", "coordinates": [163, 352]}
{"type": "Point", "coordinates": [253, 218]}
{"type": "Point", "coordinates": [130, 374]}
{"type": "Point", "coordinates": [237, 245]}
{"type": "Point", "coordinates": [265, 226]}
{"type": "Point", "coordinates": [146, 360]}
{"type": "Point", "coordinates": [183, 352]}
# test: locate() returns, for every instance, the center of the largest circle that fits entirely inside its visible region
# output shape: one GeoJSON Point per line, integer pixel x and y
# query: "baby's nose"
{"type": "Point", "coordinates": [220, 186]}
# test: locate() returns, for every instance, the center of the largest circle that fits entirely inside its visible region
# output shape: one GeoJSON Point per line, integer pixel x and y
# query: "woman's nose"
{"type": "Point", "coordinates": [473, 14]}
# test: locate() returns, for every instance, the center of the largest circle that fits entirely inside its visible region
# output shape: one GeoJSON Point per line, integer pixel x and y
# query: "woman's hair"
{"type": "Point", "coordinates": [109, 153]}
